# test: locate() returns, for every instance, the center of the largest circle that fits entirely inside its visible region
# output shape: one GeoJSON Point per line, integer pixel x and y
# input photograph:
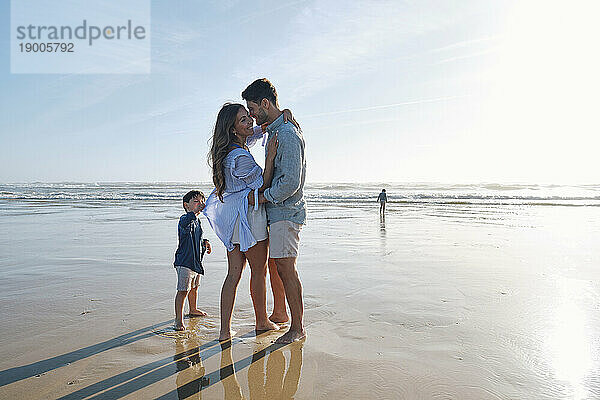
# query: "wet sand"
{"type": "Point", "coordinates": [448, 301]}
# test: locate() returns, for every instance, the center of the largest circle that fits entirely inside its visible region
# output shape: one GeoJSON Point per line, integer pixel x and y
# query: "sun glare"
{"type": "Point", "coordinates": [543, 102]}
{"type": "Point", "coordinates": [568, 344]}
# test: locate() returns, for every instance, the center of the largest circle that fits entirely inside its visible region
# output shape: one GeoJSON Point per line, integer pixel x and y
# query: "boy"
{"type": "Point", "coordinates": [188, 257]}
{"type": "Point", "coordinates": [382, 199]}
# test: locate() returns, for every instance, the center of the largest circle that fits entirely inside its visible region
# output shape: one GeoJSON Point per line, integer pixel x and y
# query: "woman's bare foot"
{"type": "Point", "coordinates": [291, 336]}
{"type": "Point", "coordinates": [266, 326]}
{"type": "Point", "coordinates": [179, 328]}
{"type": "Point", "coordinates": [279, 318]}
{"type": "Point", "coordinates": [226, 335]}
{"type": "Point", "coordinates": [197, 313]}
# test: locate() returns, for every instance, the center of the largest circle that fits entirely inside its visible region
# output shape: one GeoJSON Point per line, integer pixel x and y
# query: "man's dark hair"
{"type": "Point", "coordinates": [191, 194]}
{"type": "Point", "coordinates": [261, 89]}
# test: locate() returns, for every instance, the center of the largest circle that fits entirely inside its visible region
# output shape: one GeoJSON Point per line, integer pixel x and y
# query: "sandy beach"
{"type": "Point", "coordinates": [470, 299]}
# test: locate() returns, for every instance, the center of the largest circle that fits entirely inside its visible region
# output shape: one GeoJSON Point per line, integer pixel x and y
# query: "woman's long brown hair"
{"type": "Point", "coordinates": [222, 138]}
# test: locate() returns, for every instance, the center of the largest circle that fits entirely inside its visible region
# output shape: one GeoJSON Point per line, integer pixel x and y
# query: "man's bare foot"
{"type": "Point", "coordinates": [291, 336]}
{"type": "Point", "coordinates": [179, 328]}
{"type": "Point", "coordinates": [197, 313]}
{"type": "Point", "coordinates": [267, 326]}
{"type": "Point", "coordinates": [226, 335]}
{"type": "Point", "coordinates": [279, 318]}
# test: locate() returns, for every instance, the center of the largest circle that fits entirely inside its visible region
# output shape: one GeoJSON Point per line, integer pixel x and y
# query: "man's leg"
{"type": "Point", "coordinates": [279, 314]}
{"type": "Point", "coordinates": [293, 293]}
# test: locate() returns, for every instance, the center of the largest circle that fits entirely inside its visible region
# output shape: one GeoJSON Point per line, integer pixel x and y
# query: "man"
{"type": "Point", "coordinates": [286, 210]}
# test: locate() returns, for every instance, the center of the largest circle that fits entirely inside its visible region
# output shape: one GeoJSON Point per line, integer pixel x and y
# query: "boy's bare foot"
{"type": "Point", "coordinates": [267, 326]}
{"type": "Point", "coordinates": [279, 318]}
{"type": "Point", "coordinates": [197, 313]}
{"type": "Point", "coordinates": [179, 328]}
{"type": "Point", "coordinates": [291, 336]}
{"type": "Point", "coordinates": [226, 335]}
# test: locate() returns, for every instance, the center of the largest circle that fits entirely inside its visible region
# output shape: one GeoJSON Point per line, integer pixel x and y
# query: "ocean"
{"type": "Point", "coordinates": [333, 193]}
{"type": "Point", "coordinates": [480, 291]}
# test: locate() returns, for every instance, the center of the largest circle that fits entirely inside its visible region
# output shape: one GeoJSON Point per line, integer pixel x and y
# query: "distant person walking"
{"type": "Point", "coordinates": [382, 199]}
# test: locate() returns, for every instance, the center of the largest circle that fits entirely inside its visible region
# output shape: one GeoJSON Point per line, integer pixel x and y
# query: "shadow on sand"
{"type": "Point", "coordinates": [187, 364]}
{"type": "Point", "coordinates": [16, 374]}
{"type": "Point", "coordinates": [192, 379]}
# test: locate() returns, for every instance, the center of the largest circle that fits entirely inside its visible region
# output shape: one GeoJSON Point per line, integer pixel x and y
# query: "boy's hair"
{"type": "Point", "coordinates": [383, 190]}
{"type": "Point", "coordinates": [261, 89]}
{"type": "Point", "coordinates": [191, 194]}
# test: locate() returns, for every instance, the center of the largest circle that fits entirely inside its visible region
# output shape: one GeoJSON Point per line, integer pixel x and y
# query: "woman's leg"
{"type": "Point", "coordinates": [235, 264]}
{"type": "Point", "coordinates": [257, 257]}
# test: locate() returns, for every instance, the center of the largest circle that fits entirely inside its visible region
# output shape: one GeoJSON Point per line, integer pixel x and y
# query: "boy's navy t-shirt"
{"type": "Point", "coordinates": [191, 247]}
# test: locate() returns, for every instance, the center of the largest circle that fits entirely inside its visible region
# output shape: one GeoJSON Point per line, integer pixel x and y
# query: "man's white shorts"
{"type": "Point", "coordinates": [284, 238]}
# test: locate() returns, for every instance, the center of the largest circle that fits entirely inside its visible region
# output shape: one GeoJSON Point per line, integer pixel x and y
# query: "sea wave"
{"type": "Point", "coordinates": [344, 194]}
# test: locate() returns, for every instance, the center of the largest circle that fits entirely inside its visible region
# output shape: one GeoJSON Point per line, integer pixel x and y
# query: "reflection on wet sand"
{"type": "Point", "coordinates": [270, 383]}
{"type": "Point", "coordinates": [382, 225]}
{"type": "Point", "coordinates": [382, 234]}
{"type": "Point", "coordinates": [568, 343]}
{"type": "Point", "coordinates": [231, 386]}
{"type": "Point", "coordinates": [189, 368]}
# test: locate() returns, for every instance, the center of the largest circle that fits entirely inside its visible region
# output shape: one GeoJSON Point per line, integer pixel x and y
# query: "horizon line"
{"type": "Point", "coordinates": [425, 182]}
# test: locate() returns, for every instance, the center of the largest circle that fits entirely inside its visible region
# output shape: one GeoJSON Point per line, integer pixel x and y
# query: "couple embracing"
{"type": "Point", "coordinates": [258, 214]}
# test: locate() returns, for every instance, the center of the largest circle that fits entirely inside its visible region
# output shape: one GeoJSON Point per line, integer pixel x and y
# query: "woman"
{"type": "Point", "coordinates": [242, 229]}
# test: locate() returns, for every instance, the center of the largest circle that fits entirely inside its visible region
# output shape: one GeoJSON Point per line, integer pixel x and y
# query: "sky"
{"type": "Point", "coordinates": [385, 91]}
